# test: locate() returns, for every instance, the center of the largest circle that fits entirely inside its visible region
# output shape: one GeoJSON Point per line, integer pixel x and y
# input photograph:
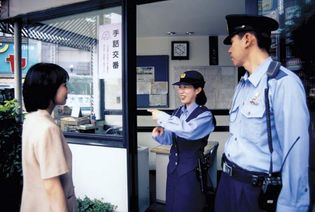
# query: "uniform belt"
{"type": "Point", "coordinates": [240, 174]}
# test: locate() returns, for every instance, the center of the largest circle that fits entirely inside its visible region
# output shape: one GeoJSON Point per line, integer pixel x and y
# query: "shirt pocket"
{"type": "Point", "coordinates": [253, 122]}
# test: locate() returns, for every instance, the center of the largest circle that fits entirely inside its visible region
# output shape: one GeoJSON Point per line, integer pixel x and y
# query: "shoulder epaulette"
{"type": "Point", "coordinates": [274, 71]}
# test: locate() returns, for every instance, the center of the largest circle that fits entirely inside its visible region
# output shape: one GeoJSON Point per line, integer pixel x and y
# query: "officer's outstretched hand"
{"type": "Point", "coordinates": [155, 113]}
{"type": "Point", "coordinates": [157, 131]}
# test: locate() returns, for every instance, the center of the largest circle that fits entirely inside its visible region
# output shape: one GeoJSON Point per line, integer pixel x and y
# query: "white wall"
{"type": "Point", "coordinates": [101, 172]}
{"type": "Point", "coordinates": [199, 56]}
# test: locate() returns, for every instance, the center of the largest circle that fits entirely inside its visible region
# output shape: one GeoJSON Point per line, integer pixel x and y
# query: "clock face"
{"type": "Point", "coordinates": [180, 49]}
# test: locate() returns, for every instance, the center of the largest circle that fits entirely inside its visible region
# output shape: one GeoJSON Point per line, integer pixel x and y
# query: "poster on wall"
{"type": "Point", "coordinates": [145, 77]}
{"type": "Point", "coordinates": [152, 81]}
{"type": "Point", "coordinates": [157, 100]}
{"type": "Point", "coordinates": [110, 51]}
{"type": "Point", "coordinates": [145, 74]}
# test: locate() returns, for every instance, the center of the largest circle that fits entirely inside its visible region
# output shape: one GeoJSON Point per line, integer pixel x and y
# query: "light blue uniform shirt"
{"type": "Point", "coordinates": [194, 129]}
{"type": "Point", "coordinates": [247, 145]}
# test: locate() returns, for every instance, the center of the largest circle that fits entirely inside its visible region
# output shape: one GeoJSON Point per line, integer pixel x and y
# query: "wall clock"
{"type": "Point", "coordinates": [180, 50]}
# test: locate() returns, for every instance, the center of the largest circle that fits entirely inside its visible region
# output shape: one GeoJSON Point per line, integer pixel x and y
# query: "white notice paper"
{"type": "Point", "coordinates": [158, 100]}
{"type": "Point", "coordinates": [143, 88]}
{"type": "Point", "coordinates": [159, 87]}
{"type": "Point", "coordinates": [145, 74]}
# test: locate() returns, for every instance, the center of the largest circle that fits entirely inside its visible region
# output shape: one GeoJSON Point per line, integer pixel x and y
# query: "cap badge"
{"type": "Point", "coordinates": [183, 75]}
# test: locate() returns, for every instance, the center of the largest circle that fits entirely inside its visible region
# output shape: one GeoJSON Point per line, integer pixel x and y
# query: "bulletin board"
{"type": "Point", "coordinates": [152, 81]}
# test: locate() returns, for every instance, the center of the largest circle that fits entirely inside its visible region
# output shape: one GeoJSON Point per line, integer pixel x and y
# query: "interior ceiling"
{"type": "Point", "coordinates": [203, 17]}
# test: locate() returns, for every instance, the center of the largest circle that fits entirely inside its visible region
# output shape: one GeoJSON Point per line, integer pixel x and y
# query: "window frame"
{"type": "Point", "coordinates": [75, 9]}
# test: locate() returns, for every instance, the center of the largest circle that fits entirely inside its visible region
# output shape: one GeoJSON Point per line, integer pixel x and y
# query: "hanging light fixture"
{"type": "Point", "coordinates": [189, 33]}
{"type": "Point", "coordinates": [171, 33]}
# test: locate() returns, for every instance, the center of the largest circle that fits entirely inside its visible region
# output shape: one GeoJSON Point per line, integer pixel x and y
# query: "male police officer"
{"type": "Point", "coordinates": [247, 155]}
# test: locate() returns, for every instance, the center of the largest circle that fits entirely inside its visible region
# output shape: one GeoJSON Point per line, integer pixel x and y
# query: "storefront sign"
{"type": "Point", "coordinates": [29, 57]}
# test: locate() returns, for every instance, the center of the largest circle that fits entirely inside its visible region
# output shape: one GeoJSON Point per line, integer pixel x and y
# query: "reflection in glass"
{"type": "Point", "coordinates": [89, 47]}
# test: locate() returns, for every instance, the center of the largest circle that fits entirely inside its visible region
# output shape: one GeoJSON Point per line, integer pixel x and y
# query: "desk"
{"type": "Point", "coordinates": [162, 159]}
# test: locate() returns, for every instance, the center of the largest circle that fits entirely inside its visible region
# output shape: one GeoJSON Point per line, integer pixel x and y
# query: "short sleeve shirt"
{"type": "Point", "coordinates": [45, 154]}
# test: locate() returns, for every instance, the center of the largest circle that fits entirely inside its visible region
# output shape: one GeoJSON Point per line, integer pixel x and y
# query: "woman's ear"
{"type": "Point", "coordinates": [198, 90]}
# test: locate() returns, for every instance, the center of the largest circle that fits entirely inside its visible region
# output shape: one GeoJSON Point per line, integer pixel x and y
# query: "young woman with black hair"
{"type": "Point", "coordinates": [187, 130]}
{"type": "Point", "coordinates": [46, 156]}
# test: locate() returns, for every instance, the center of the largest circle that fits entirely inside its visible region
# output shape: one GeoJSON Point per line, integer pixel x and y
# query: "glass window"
{"type": "Point", "coordinates": [89, 47]}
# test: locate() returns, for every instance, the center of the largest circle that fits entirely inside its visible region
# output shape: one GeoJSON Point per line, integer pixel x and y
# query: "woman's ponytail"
{"type": "Point", "coordinates": [201, 98]}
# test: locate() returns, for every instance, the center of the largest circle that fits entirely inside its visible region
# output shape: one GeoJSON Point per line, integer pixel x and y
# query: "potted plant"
{"type": "Point", "coordinates": [10, 156]}
{"type": "Point", "coordinates": [95, 205]}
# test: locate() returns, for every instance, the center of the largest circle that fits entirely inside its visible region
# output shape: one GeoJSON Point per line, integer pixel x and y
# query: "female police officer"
{"type": "Point", "coordinates": [187, 130]}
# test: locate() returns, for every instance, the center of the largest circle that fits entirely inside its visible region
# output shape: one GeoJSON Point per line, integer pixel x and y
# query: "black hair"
{"type": "Point", "coordinates": [263, 39]}
{"type": "Point", "coordinates": [201, 98]}
{"type": "Point", "coordinates": [41, 84]}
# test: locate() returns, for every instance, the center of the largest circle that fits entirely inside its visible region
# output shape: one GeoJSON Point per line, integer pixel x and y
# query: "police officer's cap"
{"type": "Point", "coordinates": [191, 78]}
{"type": "Point", "coordinates": [245, 23]}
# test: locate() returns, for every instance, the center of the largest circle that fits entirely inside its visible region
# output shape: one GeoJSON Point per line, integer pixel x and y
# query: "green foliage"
{"type": "Point", "coordinates": [95, 205]}
{"type": "Point", "coordinates": [10, 141]}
